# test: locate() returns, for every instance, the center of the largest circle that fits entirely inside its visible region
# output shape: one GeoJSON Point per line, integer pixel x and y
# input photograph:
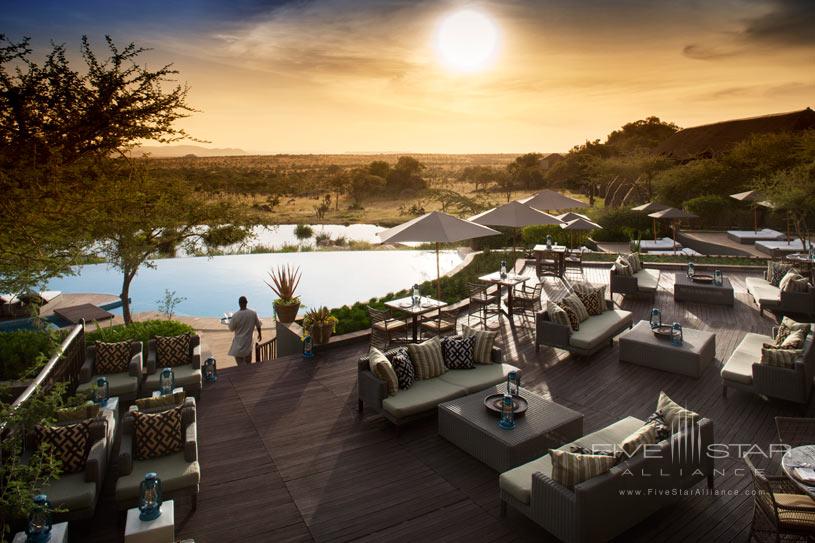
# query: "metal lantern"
{"type": "Point", "coordinates": [507, 420]}
{"type": "Point", "coordinates": [166, 381]}
{"type": "Point", "coordinates": [690, 269]}
{"type": "Point", "coordinates": [656, 318]}
{"type": "Point", "coordinates": [514, 383]}
{"type": "Point", "coordinates": [150, 497]}
{"type": "Point", "coordinates": [210, 370]}
{"type": "Point", "coordinates": [416, 295]}
{"type": "Point", "coordinates": [548, 241]}
{"type": "Point", "coordinates": [503, 269]}
{"type": "Point", "coordinates": [308, 346]}
{"type": "Point", "coordinates": [718, 278]}
{"type": "Point", "coordinates": [676, 334]}
{"type": "Point", "coordinates": [102, 391]}
{"type": "Point", "coordinates": [38, 529]}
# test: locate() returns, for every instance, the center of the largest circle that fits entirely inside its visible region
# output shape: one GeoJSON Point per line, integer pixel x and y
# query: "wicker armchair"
{"type": "Point", "coordinates": [483, 304]}
{"type": "Point", "coordinates": [573, 263]}
{"type": "Point", "coordinates": [527, 299]}
{"type": "Point", "coordinates": [442, 323]}
{"type": "Point", "coordinates": [385, 329]}
{"type": "Point", "coordinates": [187, 376]}
{"type": "Point", "coordinates": [126, 385]}
{"type": "Point", "coordinates": [795, 431]}
{"type": "Point", "coordinates": [778, 501]}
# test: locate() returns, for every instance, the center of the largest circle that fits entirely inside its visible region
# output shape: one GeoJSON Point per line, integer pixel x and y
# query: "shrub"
{"type": "Point", "coordinates": [24, 352]}
{"type": "Point", "coordinates": [621, 224]}
{"type": "Point", "coordinates": [138, 331]}
{"type": "Point", "coordinates": [303, 231]}
{"type": "Point", "coordinates": [536, 235]}
{"type": "Point", "coordinates": [713, 210]}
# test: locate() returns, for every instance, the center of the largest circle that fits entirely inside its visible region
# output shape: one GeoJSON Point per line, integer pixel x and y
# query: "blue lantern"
{"type": "Point", "coordinates": [102, 391]}
{"type": "Point", "coordinates": [656, 318]}
{"type": "Point", "coordinates": [38, 529]}
{"type": "Point", "coordinates": [150, 497]}
{"type": "Point", "coordinates": [690, 269]}
{"type": "Point", "coordinates": [507, 420]}
{"type": "Point", "coordinates": [718, 279]}
{"type": "Point", "coordinates": [308, 346]}
{"type": "Point", "coordinates": [548, 241]}
{"type": "Point", "coordinates": [166, 381]}
{"type": "Point", "coordinates": [210, 370]}
{"type": "Point", "coordinates": [503, 269]}
{"type": "Point", "coordinates": [416, 295]}
{"type": "Point", "coordinates": [676, 334]}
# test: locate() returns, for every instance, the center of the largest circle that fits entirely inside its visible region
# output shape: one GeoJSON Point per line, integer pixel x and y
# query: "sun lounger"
{"type": "Point", "coordinates": [664, 244]}
{"type": "Point", "coordinates": [780, 247]}
{"type": "Point", "coordinates": [748, 237]}
{"type": "Point", "coordinates": [685, 251]}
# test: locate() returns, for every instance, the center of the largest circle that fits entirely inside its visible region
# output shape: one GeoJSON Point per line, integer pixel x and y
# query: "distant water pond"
{"type": "Point", "coordinates": [212, 286]}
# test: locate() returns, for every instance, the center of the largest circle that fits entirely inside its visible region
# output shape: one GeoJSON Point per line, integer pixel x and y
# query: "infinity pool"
{"type": "Point", "coordinates": [212, 286]}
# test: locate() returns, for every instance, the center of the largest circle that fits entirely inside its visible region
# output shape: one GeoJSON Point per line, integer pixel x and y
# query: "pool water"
{"type": "Point", "coordinates": [211, 286]}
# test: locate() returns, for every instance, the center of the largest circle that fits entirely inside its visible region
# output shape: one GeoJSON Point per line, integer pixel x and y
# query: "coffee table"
{"type": "Point", "coordinates": [687, 290]}
{"type": "Point", "coordinates": [466, 423]}
{"type": "Point", "coordinates": [640, 345]}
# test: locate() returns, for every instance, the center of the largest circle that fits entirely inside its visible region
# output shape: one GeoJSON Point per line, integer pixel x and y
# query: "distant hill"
{"type": "Point", "coordinates": [170, 151]}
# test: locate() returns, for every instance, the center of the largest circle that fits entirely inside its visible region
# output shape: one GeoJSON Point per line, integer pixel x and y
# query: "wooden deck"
{"type": "Point", "coordinates": [285, 457]}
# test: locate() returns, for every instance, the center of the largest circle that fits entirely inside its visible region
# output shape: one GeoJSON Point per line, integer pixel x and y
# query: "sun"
{"type": "Point", "coordinates": [467, 40]}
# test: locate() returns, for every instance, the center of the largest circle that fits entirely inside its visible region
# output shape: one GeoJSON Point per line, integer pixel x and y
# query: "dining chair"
{"type": "Point", "coordinates": [483, 303]}
{"type": "Point", "coordinates": [549, 264]}
{"type": "Point", "coordinates": [573, 263]}
{"type": "Point", "coordinates": [440, 323]}
{"type": "Point", "coordinates": [386, 328]}
{"type": "Point", "coordinates": [527, 299]}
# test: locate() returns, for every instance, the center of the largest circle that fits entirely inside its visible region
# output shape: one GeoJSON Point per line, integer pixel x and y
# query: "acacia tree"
{"type": "Point", "coordinates": [793, 192]}
{"type": "Point", "coordinates": [59, 129]}
{"type": "Point", "coordinates": [156, 213]}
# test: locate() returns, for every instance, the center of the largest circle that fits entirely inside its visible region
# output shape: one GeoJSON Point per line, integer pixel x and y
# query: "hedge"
{"type": "Point", "coordinates": [24, 352]}
{"type": "Point", "coordinates": [138, 331]}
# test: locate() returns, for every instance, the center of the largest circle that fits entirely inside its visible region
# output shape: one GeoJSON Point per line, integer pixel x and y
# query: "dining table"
{"type": "Point", "coordinates": [800, 458]}
{"type": "Point", "coordinates": [554, 252]}
{"type": "Point", "coordinates": [508, 280]}
{"type": "Point", "coordinates": [415, 309]}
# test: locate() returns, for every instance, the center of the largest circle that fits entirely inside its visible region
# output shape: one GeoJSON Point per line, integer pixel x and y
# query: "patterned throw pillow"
{"type": "Point", "coordinates": [457, 352]}
{"type": "Point", "coordinates": [646, 435]}
{"type": "Point", "coordinates": [793, 340]}
{"type": "Point", "coordinates": [635, 262]}
{"type": "Point", "coordinates": [557, 314]}
{"type": "Point", "coordinates": [593, 298]}
{"type": "Point", "coordinates": [383, 369]}
{"type": "Point", "coordinates": [570, 469]}
{"type": "Point", "coordinates": [657, 420]}
{"type": "Point", "coordinates": [674, 414]}
{"type": "Point", "coordinates": [80, 412]}
{"type": "Point", "coordinates": [173, 350]}
{"type": "Point", "coordinates": [776, 271]}
{"type": "Point", "coordinates": [427, 358]}
{"type": "Point", "coordinates": [405, 372]}
{"type": "Point", "coordinates": [112, 357]}
{"type": "Point", "coordinates": [622, 267]}
{"type": "Point", "coordinates": [484, 342]}
{"type": "Point", "coordinates": [574, 302]}
{"type": "Point", "coordinates": [170, 400]}
{"type": "Point", "coordinates": [793, 282]}
{"type": "Point", "coordinates": [69, 443]}
{"type": "Point", "coordinates": [157, 434]}
{"type": "Point", "coordinates": [574, 321]}
{"type": "Point", "coordinates": [583, 450]}
{"type": "Point", "coordinates": [782, 358]}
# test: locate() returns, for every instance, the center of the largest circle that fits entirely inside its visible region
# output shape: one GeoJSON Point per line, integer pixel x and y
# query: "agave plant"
{"type": "Point", "coordinates": [319, 317]}
{"type": "Point", "coordinates": [285, 280]}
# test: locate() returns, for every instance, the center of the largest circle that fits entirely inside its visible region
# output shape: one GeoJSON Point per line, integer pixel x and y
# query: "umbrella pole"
{"type": "Point", "coordinates": [674, 225]}
{"type": "Point", "coordinates": [755, 218]}
{"type": "Point", "coordinates": [438, 274]}
{"type": "Point", "coordinates": [655, 229]}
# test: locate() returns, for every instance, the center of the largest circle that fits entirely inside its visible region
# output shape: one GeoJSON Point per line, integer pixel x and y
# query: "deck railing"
{"type": "Point", "coordinates": [266, 350]}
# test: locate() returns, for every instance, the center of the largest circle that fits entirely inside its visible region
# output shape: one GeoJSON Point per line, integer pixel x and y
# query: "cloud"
{"type": "Point", "coordinates": [702, 52]}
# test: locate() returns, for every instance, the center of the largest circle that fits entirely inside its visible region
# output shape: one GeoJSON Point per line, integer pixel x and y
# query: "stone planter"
{"type": "Point", "coordinates": [321, 333]}
{"type": "Point", "coordinates": [286, 313]}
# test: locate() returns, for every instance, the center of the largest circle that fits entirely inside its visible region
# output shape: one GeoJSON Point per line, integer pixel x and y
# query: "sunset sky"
{"type": "Point", "coordinates": [370, 76]}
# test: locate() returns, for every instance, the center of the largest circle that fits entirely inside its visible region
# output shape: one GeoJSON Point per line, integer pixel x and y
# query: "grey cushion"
{"type": "Point", "coordinates": [121, 384]}
{"type": "Point", "coordinates": [739, 367]}
{"type": "Point", "coordinates": [517, 482]}
{"type": "Point", "coordinates": [185, 377]}
{"type": "Point", "coordinates": [175, 473]}
{"type": "Point", "coordinates": [72, 492]}
{"type": "Point", "coordinates": [597, 328]}
{"type": "Point", "coordinates": [422, 396]}
{"type": "Point", "coordinates": [647, 279]}
{"type": "Point", "coordinates": [762, 291]}
{"type": "Point", "coordinates": [483, 376]}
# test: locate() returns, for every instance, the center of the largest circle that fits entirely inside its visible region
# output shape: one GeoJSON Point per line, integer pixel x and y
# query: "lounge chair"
{"type": "Point", "coordinates": [769, 297]}
{"type": "Point", "coordinates": [748, 237]}
{"type": "Point", "coordinates": [124, 384]}
{"type": "Point", "coordinates": [187, 375]}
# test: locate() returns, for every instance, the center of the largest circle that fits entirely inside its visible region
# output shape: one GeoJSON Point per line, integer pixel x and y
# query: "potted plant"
{"type": "Point", "coordinates": [285, 280]}
{"type": "Point", "coordinates": [321, 324]}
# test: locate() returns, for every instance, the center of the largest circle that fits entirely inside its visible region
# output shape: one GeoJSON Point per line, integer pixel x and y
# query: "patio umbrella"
{"type": "Point", "coordinates": [436, 227]}
{"type": "Point", "coordinates": [549, 199]}
{"type": "Point", "coordinates": [514, 215]}
{"type": "Point", "coordinates": [675, 216]}
{"type": "Point", "coordinates": [650, 207]}
{"type": "Point", "coordinates": [579, 224]}
{"type": "Point", "coordinates": [571, 215]}
{"type": "Point", "coordinates": [756, 199]}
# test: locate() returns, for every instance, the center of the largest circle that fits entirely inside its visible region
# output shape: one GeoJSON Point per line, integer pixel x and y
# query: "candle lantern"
{"type": "Point", "coordinates": [690, 269]}
{"type": "Point", "coordinates": [210, 370]}
{"type": "Point", "coordinates": [150, 497]}
{"type": "Point", "coordinates": [507, 420]}
{"type": "Point", "coordinates": [548, 241]}
{"type": "Point", "coordinates": [102, 391]}
{"type": "Point", "coordinates": [718, 278]}
{"type": "Point", "coordinates": [503, 269]}
{"type": "Point", "coordinates": [656, 318]}
{"type": "Point", "coordinates": [416, 295]}
{"type": "Point", "coordinates": [676, 334]}
{"type": "Point", "coordinates": [38, 529]}
{"type": "Point", "coordinates": [166, 381]}
{"type": "Point", "coordinates": [308, 346]}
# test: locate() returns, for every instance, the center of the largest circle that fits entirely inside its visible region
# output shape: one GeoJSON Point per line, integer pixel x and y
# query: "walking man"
{"type": "Point", "coordinates": [243, 324]}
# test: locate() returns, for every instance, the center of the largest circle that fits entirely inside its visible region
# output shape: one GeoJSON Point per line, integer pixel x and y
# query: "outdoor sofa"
{"type": "Point", "coordinates": [596, 510]}
{"type": "Point", "coordinates": [744, 371]}
{"type": "Point", "coordinates": [126, 384]}
{"type": "Point", "coordinates": [593, 335]}
{"type": "Point", "coordinates": [425, 395]}
{"type": "Point", "coordinates": [645, 281]}
{"type": "Point", "coordinates": [770, 297]}
{"type": "Point", "coordinates": [187, 376]}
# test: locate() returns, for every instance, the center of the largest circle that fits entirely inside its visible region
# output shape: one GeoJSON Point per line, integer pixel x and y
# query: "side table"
{"type": "Point", "coordinates": [160, 530]}
{"type": "Point", "coordinates": [59, 534]}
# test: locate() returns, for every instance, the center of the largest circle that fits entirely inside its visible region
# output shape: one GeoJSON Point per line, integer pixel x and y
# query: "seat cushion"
{"type": "Point", "coordinates": [424, 395]}
{"type": "Point", "coordinates": [185, 377]}
{"type": "Point", "coordinates": [647, 279]}
{"type": "Point", "coordinates": [517, 482]}
{"type": "Point", "coordinates": [121, 384]}
{"type": "Point", "coordinates": [598, 328]}
{"type": "Point", "coordinates": [739, 367]}
{"type": "Point", "coordinates": [483, 376]}
{"type": "Point", "coordinates": [763, 292]}
{"type": "Point", "coordinates": [71, 492]}
{"type": "Point", "coordinates": [175, 472]}
{"type": "Point", "coordinates": [798, 520]}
